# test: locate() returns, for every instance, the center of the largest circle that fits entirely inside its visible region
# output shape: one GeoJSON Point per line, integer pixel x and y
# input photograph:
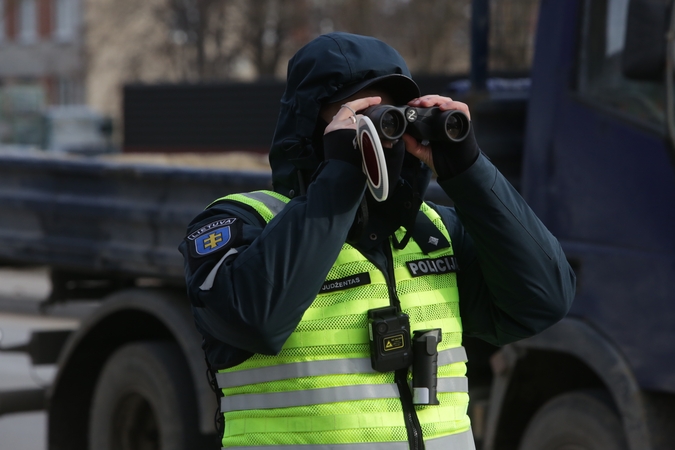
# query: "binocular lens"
{"type": "Point", "coordinates": [390, 125]}
{"type": "Point", "coordinates": [453, 127]}
{"type": "Point", "coordinates": [456, 126]}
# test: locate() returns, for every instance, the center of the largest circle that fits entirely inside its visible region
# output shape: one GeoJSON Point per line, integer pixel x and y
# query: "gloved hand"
{"type": "Point", "coordinates": [452, 158]}
{"type": "Point", "coordinates": [394, 156]}
{"type": "Point", "coordinates": [339, 134]}
{"type": "Point", "coordinates": [338, 141]}
{"type": "Point", "coordinates": [339, 144]}
{"type": "Point", "coordinates": [446, 159]}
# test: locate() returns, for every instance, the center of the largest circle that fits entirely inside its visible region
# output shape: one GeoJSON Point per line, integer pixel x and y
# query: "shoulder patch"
{"type": "Point", "coordinates": [212, 237]}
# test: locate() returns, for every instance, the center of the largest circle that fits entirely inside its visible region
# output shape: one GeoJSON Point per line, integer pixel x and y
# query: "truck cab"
{"type": "Point", "coordinates": [597, 168]}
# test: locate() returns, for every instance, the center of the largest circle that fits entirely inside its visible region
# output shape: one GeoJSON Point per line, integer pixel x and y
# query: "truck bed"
{"type": "Point", "coordinates": [117, 216]}
{"type": "Point", "coordinates": [114, 216]}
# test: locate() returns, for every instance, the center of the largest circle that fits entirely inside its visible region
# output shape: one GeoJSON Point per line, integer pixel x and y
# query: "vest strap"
{"type": "Point", "coordinates": [317, 368]}
{"type": "Point", "coordinates": [460, 441]}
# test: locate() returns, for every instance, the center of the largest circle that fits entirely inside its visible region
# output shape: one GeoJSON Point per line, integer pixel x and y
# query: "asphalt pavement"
{"type": "Point", "coordinates": [23, 431]}
{"type": "Point", "coordinates": [21, 293]}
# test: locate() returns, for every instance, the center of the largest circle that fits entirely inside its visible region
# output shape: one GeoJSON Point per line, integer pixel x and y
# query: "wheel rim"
{"type": "Point", "coordinates": [134, 425]}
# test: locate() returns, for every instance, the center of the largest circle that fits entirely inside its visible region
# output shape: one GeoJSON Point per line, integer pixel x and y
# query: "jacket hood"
{"type": "Point", "coordinates": [323, 71]}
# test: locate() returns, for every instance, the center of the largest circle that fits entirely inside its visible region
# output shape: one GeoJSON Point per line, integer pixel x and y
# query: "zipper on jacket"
{"type": "Point", "coordinates": [412, 423]}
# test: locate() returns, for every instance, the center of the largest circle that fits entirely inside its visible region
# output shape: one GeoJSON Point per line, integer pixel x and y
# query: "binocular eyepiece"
{"type": "Point", "coordinates": [430, 124]}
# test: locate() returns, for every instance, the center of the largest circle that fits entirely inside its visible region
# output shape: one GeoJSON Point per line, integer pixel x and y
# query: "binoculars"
{"type": "Point", "coordinates": [388, 123]}
{"type": "Point", "coordinates": [431, 124]}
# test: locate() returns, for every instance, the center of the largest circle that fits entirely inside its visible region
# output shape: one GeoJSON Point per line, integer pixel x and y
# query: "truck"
{"type": "Point", "coordinates": [588, 139]}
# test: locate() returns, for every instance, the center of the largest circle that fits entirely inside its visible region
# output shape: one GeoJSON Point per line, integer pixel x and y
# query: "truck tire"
{"type": "Point", "coordinates": [579, 420]}
{"type": "Point", "coordinates": [144, 400]}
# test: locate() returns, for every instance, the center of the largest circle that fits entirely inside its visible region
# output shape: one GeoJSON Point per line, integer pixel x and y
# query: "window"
{"type": "Point", "coordinates": [601, 79]}
{"type": "Point", "coordinates": [28, 21]}
{"type": "Point", "coordinates": [65, 18]}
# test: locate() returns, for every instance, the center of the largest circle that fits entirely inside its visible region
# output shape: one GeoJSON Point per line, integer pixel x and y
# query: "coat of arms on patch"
{"type": "Point", "coordinates": [212, 240]}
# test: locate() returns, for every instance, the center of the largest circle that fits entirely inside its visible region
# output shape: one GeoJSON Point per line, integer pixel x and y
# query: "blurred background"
{"type": "Point", "coordinates": [64, 64]}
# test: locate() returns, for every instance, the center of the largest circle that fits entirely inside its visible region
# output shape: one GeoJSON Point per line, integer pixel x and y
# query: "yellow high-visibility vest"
{"type": "Point", "coordinates": [320, 390]}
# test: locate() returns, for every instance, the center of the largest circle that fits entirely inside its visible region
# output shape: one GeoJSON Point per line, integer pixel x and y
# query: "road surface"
{"type": "Point", "coordinates": [21, 292]}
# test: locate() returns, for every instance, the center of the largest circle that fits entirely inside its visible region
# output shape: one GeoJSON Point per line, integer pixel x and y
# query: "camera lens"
{"type": "Point", "coordinates": [381, 328]}
{"type": "Point", "coordinates": [390, 125]}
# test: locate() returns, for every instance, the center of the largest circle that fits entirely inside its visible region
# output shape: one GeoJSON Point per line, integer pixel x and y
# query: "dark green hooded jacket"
{"type": "Point", "coordinates": [315, 74]}
{"type": "Point", "coordinates": [514, 280]}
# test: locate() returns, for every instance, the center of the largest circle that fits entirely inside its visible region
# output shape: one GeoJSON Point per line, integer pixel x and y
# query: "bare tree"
{"type": "Point", "coordinates": [435, 35]}
{"type": "Point", "coordinates": [432, 35]}
{"type": "Point", "coordinates": [271, 24]}
{"type": "Point", "coordinates": [189, 28]}
{"type": "Point", "coordinates": [207, 38]}
{"type": "Point", "coordinates": [200, 40]}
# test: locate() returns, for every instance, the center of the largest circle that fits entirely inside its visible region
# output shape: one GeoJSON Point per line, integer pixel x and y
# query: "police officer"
{"type": "Point", "coordinates": [286, 284]}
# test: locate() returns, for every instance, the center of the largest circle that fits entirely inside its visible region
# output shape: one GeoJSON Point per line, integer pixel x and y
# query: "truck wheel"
{"type": "Point", "coordinates": [581, 420]}
{"type": "Point", "coordinates": [144, 400]}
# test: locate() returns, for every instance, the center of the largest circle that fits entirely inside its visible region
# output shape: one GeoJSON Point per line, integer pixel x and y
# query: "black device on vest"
{"type": "Point", "coordinates": [425, 366]}
{"type": "Point", "coordinates": [390, 347]}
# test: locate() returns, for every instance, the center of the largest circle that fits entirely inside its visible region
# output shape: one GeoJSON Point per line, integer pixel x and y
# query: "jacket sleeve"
{"type": "Point", "coordinates": [262, 283]}
{"type": "Point", "coordinates": [514, 279]}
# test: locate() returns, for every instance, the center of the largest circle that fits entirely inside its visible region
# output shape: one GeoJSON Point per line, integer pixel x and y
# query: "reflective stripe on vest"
{"type": "Point", "coordinates": [267, 203]}
{"type": "Point", "coordinates": [315, 368]}
{"type": "Point", "coordinates": [308, 397]}
{"type": "Point", "coordinates": [328, 395]}
{"type": "Point", "coordinates": [319, 391]}
{"type": "Point", "coordinates": [463, 440]}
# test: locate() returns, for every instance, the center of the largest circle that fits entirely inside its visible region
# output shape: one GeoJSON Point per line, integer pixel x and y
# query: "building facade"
{"type": "Point", "coordinates": [41, 46]}
{"type": "Point", "coordinates": [41, 65]}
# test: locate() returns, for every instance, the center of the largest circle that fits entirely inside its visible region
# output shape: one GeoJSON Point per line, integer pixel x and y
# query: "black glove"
{"type": "Point", "coordinates": [339, 144]}
{"type": "Point", "coordinates": [453, 158]}
{"type": "Point", "coordinates": [394, 157]}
